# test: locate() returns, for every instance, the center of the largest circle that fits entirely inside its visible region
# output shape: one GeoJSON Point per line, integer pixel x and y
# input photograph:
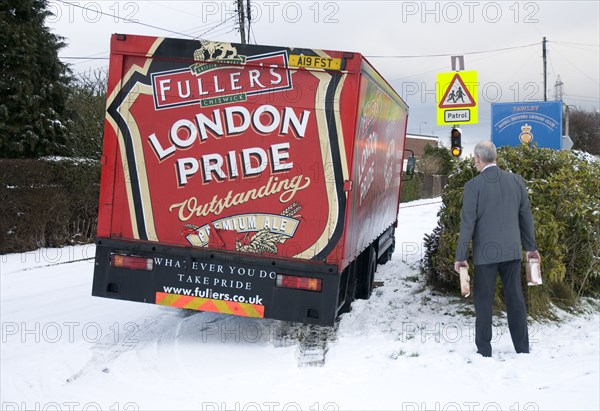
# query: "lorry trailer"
{"type": "Point", "coordinates": [252, 180]}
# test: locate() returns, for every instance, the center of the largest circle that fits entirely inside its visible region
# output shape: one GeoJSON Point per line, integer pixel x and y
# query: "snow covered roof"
{"type": "Point", "coordinates": [422, 137]}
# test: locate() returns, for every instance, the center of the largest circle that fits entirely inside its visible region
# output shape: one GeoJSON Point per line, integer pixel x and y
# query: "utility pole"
{"type": "Point", "coordinates": [545, 71]}
{"type": "Point", "coordinates": [249, 16]}
{"type": "Point", "coordinates": [242, 21]}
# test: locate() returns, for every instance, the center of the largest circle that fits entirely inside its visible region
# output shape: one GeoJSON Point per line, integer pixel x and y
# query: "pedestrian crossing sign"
{"type": "Point", "coordinates": [457, 98]}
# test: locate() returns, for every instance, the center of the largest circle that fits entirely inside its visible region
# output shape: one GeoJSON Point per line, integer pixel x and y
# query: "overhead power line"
{"type": "Point", "coordinates": [213, 28]}
{"type": "Point", "coordinates": [82, 58]}
{"type": "Point", "coordinates": [576, 66]}
{"type": "Point", "coordinates": [370, 56]}
{"type": "Point", "coordinates": [455, 54]}
{"type": "Point", "coordinates": [153, 26]}
{"type": "Point", "coordinates": [207, 26]}
{"type": "Point", "coordinates": [576, 44]}
{"type": "Point", "coordinates": [124, 18]}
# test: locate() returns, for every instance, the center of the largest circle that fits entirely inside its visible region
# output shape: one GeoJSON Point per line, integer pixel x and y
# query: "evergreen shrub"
{"type": "Point", "coordinates": [564, 189]}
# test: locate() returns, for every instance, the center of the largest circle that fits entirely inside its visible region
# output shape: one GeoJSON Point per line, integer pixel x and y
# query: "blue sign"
{"type": "Point", "coordinates": [538, 122]}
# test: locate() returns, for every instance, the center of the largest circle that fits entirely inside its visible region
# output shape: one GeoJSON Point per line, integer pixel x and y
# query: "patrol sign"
{"type": "Point", "coordinates": [457, 98]}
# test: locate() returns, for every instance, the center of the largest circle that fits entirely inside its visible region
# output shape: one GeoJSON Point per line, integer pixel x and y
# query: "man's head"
{"type": "Point", "coordinates": [485, 153]}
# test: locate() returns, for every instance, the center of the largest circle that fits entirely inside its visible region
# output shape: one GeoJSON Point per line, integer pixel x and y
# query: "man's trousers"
{"type": "Point", "coordinates": [484, 289]}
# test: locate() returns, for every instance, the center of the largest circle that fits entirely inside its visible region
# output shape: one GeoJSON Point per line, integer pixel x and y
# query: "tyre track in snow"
{"type": "Point", "coordinates": [106, 351]}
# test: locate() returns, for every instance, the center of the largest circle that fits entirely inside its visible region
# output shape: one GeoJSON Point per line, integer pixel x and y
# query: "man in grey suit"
{"type": "Point", "coordinates": [496, 217]}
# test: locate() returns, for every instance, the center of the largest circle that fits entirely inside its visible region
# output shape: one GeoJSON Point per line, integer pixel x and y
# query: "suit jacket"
{"type": "Point", "coordinates": [496, 217]}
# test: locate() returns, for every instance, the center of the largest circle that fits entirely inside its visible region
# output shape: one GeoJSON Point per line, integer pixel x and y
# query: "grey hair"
{"type": "Point", "coordinates": [486, 151]}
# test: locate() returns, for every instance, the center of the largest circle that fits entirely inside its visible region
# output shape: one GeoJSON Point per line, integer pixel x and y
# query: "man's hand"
{"type": "Point", "coordinates": [533, 254]}
{"type": "Point", "coordinates": [458, 264]}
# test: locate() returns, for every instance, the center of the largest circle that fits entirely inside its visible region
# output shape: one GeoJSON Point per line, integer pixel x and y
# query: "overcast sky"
{"type": "Point", "coordinates": [409, 42]}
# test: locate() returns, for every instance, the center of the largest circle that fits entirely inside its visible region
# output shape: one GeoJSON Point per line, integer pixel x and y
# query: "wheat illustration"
{"type": "Point", "coordinates": [291, 210]}
{"type": "Point", "coordinates": [188, 229]}
{"type": "Point", "coordinates": [265, 241]}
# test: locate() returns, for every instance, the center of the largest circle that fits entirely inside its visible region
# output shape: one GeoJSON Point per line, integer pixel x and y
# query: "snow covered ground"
{"type": "Point", "coordinates": [406, 348]}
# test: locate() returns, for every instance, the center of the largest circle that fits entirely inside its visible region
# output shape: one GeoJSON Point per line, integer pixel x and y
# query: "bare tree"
{"type": "Point", "coordinates": [88, 102]}
{"type": "Point", "coordinates": [584, 130]}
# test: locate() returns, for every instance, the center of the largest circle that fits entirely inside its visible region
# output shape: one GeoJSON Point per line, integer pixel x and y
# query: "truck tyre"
{"type": "Point", "coordinates": [351, 288]}
{"type": "Point", "coordinates": [366, 274]}
{"type": "Point", "coordinates": [387, 255]}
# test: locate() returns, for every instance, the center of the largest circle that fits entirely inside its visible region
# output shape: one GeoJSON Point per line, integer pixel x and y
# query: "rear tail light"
{"type": "Point", "coordinates": [134, 263]}
{"type": "Point", "coordinates": [300, 283]}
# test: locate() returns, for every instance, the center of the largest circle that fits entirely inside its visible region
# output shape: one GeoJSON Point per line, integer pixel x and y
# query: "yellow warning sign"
{"type": "Point", "coordinates": [456, 100]}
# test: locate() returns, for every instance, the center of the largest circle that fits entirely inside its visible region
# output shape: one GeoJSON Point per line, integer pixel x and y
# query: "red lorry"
{"type": "Point", "coordinates": [251, 180]}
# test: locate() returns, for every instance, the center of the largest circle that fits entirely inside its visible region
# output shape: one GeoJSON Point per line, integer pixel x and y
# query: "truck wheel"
{"type": "Point", "coordinates": [351, 288]}
{"type": "Point", "coordinates": [366, 275]}
{"type": "Point", "coordinates": [387, 256]}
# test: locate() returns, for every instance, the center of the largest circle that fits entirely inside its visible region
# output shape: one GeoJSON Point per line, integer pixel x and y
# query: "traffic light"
{"type": "Point", "coordinates": [456, 149]}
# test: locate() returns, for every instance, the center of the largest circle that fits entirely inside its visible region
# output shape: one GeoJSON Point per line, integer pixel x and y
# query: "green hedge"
{"type": "Point", "coordinates": [411, 189]}
{"type": "Point", "coordinates": [564, 190]}
{"type": "Point", "coordinates": [47, 203]}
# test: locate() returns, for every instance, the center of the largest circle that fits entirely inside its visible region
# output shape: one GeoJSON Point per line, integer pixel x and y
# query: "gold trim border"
{"type": "Point", "coordinates": [143, 182]}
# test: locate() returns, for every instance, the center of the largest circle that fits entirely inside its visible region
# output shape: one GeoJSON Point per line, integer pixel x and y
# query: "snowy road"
{"type": "Point", "coordinates": [406, 348]}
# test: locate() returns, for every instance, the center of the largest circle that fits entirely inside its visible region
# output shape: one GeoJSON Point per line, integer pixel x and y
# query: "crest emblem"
{"type": "Point", "coordinates": [526, 137]}
{"type": "Point", "coordinates": [217, 51]}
